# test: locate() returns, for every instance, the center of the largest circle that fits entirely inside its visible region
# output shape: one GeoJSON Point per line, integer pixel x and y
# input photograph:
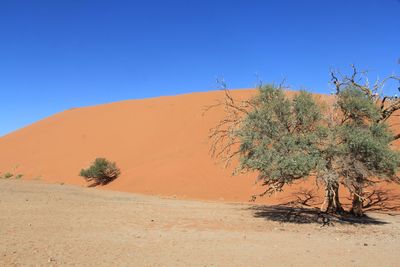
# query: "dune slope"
{"type": "Point", "coordinates": [160, 144]}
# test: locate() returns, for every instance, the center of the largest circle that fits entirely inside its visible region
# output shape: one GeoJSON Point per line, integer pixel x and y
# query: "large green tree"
{"type": "Point", "coordinates": [282, 138]}
{"type": "Point", "coordinates": [285, 139]}
{"type": "Point", "coordinates": [364, 152]}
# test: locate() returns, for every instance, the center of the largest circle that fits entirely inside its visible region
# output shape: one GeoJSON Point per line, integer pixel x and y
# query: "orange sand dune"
{"type": "Point", "coordinates": [160, 144]}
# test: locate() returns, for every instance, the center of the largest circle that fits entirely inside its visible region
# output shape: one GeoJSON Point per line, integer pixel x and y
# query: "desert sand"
{"type": "Point", "coordinates": [63, 225]}
{"type": "Point", "coordinates": [160, 144]}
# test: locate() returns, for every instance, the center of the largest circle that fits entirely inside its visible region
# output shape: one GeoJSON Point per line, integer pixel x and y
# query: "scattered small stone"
{"type": "Point", "coordinates": [50, 260]}
{"type": "Point", "coordinates": [152, 220]}
{"type": "Point", "coordinates": [29, 224]}
{"type": "Point", "coordinates": [365, 245]}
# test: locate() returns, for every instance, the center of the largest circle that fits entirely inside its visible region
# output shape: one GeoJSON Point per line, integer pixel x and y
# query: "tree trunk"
{"type": "Point", "coordinates": [331, 202]}
{"type": "Point", "coordinates": [357, 204]}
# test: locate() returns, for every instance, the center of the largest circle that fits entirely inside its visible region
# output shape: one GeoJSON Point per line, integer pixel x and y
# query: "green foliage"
{"type": "Point", "coordinates": [368, 152]}
{"type": "Point", "coordinates": [364, 141]}
{"type": "Point", "coordinates": [356, 105]}
{"type": "Point", "coordinates": [279, 137]}
{"type": "Point", "coordinates": [101, 171]}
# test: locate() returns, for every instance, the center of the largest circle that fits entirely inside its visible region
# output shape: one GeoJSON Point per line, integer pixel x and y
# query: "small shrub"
{"type": "Point", "coordinates": [18, 176]}
{"type": "Point", "coordinates": [7, 175]}
{"type": "Point", "coordinates": [101, 172]}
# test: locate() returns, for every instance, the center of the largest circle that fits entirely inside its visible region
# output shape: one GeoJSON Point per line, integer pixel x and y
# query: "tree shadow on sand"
{"type": "Point", "coordinates": [94, 184]}
{"type": "Point", "coordinates": [302, 209]}
{"type": "Point", "coordinates": [308, 215]}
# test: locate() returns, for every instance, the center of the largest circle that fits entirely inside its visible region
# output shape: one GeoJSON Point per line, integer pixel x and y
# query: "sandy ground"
{"type": "Point", "coordinates": [63, 225]}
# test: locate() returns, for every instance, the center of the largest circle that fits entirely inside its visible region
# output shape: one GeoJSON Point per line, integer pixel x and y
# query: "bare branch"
{"type": "Point", "coordinates": [224, 142]}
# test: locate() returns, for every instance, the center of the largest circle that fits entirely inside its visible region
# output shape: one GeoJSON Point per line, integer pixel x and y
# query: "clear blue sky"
{"type": "Point", "coordinates": [55, 55]}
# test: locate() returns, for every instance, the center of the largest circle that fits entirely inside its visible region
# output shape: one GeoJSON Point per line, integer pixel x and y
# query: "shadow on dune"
{"type": "Point", "coordinates": [382, 201]}
{"type": "Point", "coordinates": [94, 184]}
